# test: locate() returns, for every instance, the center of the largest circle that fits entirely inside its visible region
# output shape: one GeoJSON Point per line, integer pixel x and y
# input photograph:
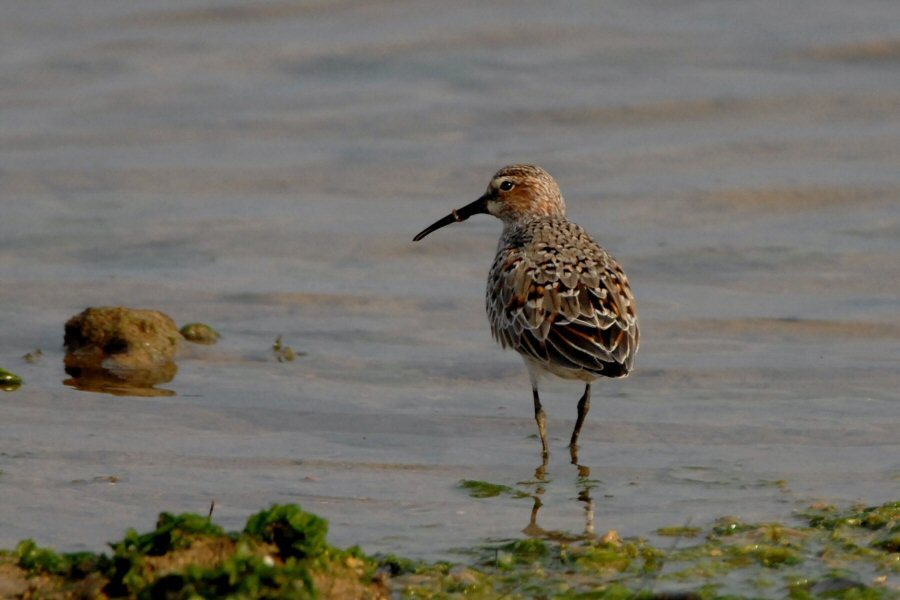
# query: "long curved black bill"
{"type": "Point", "coordinates": [457, 216]}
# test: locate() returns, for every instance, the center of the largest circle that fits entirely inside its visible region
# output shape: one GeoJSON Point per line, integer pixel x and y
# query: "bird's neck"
{"type": "Point", "coordinates": [515, 229]}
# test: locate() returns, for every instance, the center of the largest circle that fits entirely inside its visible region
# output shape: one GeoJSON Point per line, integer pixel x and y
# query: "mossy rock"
{"type": "Point", "coordinates": [131, 345]}
{"type": "Point", "coordinates": [281, 553]}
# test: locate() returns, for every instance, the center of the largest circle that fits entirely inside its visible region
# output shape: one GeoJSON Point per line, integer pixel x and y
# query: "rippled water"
{"type": "Point", "coordinates": [263, 168]}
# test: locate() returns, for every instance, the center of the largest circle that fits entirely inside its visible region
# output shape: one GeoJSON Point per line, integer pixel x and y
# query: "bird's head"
{"type": "Point", "coordinates": [516, 193]}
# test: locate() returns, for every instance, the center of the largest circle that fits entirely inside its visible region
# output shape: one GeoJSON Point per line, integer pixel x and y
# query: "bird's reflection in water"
{"type": "Point", "coordinates": [584, 485]}
{"type": "Point", "coordinates": [584, 490]}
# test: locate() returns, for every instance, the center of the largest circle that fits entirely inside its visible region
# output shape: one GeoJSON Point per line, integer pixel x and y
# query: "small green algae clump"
{"type": "Point", "coordinates": [199, 333]}
{"type": "Point", "coordinates": [873, 517]}
{"type": "Point", "coordinates": [9, 381]}
{"type": "Point", "coordinates": [295, 533]}
{"type": "Point", "coordinates": [485, 489]}
{"type": "Point", "coordinates": [283, 352]}
{"type": "Point", "coordinates": [33, 559]}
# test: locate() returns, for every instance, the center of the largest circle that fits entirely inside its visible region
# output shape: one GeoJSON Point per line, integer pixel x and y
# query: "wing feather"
{"type": "Point", "coordinates": [557, 297]}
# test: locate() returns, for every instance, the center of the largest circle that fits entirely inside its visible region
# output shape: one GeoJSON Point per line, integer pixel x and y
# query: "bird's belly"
{"type": "Point", "coordinates": [537, 367]}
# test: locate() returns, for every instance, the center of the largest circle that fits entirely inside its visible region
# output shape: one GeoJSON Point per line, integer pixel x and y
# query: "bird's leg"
{"type": "Point", "coordinates": [584, 405]}
{"type": "Point", "coordinates": [540, 474]}
{"type": "Point", "coordinates": [541, 419]}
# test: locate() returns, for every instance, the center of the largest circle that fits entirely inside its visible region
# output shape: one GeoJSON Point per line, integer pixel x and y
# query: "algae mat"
{"type": "Point", "coordinates": [282, 552]}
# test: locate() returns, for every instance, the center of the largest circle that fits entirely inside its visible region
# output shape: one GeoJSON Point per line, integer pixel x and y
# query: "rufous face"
{"type": "Point", "coordinates": [519, 192]}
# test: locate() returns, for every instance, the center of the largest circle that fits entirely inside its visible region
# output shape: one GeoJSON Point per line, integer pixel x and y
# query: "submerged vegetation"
{"type": "Point", "coordinates": [282, 552]}
{"type": "Point", "coordinates": [485, 489]}
{"type": "Point", "coordinates": [835, 554]}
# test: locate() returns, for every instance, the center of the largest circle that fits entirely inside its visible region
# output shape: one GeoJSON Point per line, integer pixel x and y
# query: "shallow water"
{"type": "Point", "coordinates": [263, 168]}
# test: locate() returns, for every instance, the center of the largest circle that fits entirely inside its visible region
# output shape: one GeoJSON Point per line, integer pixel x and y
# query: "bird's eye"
{"type": "Point", "coordinates": [507, 185]}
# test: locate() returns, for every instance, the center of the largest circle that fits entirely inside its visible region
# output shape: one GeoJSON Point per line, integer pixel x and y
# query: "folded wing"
{"type": "Point", "coordinates": [555, 296]}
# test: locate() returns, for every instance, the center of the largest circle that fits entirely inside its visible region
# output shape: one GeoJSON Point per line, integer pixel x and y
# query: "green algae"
{"type": "Point", "coordinates": [727, 559]}
{"type": "Point", "coordinates": [400, 565]}
{"type": "Point", "coordinates": [130, 571]}
{"type": "Point", "coordinates": [296, 533]}
{"type": "Point", "coordinates": [527, 551]}
{"type": "Point", "coordinates": [244, 574]}
{"type": "Point", "coordinates": [283, 352]}
{"type": "Point", "coordinates": [485, 489]}
{"type": "Point", "coordinates": [729, 526]}
{"type": "Point", "coordinates": [9, 381]}
{"type": "Point", "coordinates": [873, 517]}
{"type": "Point", "coordinates": [199, 333]}
{"type": "Point", "coordinates": [607, 558]}
{"type": "Point", "coordinates": [35, 559]}
{"type": "Point", "coordinates": [172, 532]}
{"type": "Point", "coordinates": [283, 552]}
{"type": "Point", "coordinates": [537, 568]}
{"type": "Point", "coordinates": [767, 555]}
{"type": "Point", "coordinates": [889, 541]}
